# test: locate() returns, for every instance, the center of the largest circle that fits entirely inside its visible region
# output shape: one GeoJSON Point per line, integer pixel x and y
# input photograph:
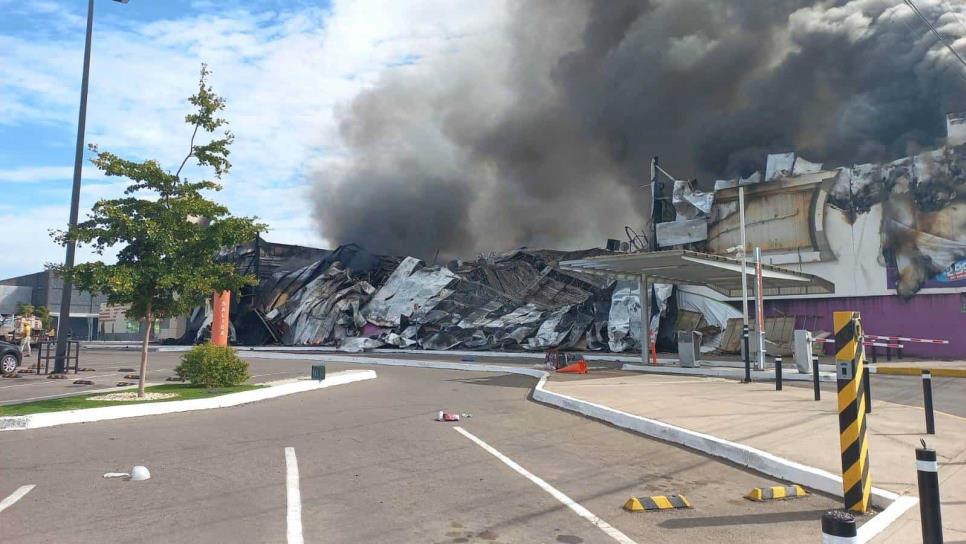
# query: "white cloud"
{"type": "Point", "coordinates": [30, 174]}
{"type": "Point", "coordinates": [283, 75]}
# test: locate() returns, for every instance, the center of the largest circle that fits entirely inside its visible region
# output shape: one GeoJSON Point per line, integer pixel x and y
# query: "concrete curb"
{"type": "Point", "coordinates": [609, 357]}
{"type": "Point", "coordinates": [893, 505]}
{"type": "Point", "coordinates": [51, 419]}
{"type": "Point", "coordinates": [735, 373]}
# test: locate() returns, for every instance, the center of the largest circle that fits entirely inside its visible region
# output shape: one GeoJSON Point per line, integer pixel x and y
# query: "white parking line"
{"type": "Point", "coordinates": [554, 492]}
{"type": "Point", "coordinates": [294, 510]}
{"type": "Point", "coordinates": [15, 496]}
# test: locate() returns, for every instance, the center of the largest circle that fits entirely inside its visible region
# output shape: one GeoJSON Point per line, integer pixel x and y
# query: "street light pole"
{"type": "Point", "coordinates": [63, 321]}
{"type": "Point", "coordinates": [744, 283]}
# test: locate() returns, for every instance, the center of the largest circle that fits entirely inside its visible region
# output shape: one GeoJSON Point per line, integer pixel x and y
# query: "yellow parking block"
{"type": "Point", "coordinates": [780, 492]}
{"type": "Point", "coordinates": [656, 502]}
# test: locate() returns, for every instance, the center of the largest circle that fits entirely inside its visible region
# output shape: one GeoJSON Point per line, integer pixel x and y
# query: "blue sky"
{"type": "Point", "coordinates": [285, 67]}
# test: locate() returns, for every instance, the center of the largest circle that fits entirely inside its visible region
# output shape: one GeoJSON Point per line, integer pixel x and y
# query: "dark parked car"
{"type": "Point", "coordinates": [10, 358]}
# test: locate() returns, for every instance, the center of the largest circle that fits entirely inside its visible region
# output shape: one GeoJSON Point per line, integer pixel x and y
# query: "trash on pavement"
{"type": "Point", "coordinates": [447, 416]}
{"type": "Point", "coordinates": [138, 473]}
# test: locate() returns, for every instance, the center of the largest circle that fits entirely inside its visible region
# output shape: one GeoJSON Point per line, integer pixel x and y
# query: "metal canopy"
{"type": "Point", "coordinates": [683, 267]}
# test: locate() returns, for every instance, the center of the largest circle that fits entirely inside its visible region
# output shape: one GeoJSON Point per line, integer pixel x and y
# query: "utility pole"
{"type": "Point", "coordinates": [744, 283]}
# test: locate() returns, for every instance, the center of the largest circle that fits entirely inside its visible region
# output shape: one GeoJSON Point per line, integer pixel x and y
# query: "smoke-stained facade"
{"type": "Point", "coordinates": [540, 133]}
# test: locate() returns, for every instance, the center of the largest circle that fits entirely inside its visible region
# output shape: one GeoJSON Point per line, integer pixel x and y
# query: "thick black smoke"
{"type": "Point", "coordinates": [541, 134]}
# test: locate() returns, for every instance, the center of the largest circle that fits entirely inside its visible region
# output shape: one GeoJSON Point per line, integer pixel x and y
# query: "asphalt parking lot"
{"type": "Point", "coordinates": [374, 466]}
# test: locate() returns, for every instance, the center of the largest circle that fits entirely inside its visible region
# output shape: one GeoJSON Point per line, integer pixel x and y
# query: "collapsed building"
{"type": "Point", "coordinates": [891, 237]}
{"type": "Point", "coordinates": [353, 299]}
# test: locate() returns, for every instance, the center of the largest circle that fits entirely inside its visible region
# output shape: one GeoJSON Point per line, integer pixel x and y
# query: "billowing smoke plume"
{"type": "Point", "coordinates": [541, 134]}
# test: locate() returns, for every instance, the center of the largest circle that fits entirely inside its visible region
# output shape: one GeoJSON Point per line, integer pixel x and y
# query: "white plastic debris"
{"type": "Point", "coordinates": [140, 473]}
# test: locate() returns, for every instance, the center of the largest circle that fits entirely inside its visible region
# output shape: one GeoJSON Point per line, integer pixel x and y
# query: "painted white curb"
{"type": "Point", "coordinates": [892, 504]}
{"type": "Point", "coordinates": [50, 419]}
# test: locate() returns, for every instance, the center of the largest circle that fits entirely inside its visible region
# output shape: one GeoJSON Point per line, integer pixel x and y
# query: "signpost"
{"type": "Point", "coordinates": [219, 321]}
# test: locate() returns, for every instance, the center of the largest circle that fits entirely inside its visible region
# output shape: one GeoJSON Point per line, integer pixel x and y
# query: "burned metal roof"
{"type": "Point", "coordinates": [683, 267]}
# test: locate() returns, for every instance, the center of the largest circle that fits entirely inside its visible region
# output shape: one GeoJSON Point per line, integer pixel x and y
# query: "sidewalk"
{"type": "Point", "coordinates": [791, 424]}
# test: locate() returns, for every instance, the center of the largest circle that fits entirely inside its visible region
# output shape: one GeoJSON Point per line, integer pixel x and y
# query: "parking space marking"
{"type": "Point", "coordinates": [15, 496]}
{"type": "Point", "coordinates": [294, 497]}
{"type": "Point", "coordinates": [554, 492]}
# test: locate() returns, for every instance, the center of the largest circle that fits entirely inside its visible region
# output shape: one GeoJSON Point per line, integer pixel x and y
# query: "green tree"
{"type": "Point", "coordinates": [25, 309]}
{"type": "Point", "coordinates": [167, 232]}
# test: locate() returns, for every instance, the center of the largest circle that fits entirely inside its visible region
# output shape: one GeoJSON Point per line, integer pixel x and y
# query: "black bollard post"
{"type": "Point", "coordinates": [867, 384]}
{"type": "Point", "coordinates": [815, 384]}
{"type": "Point", "coordinates": [778, 373]}
{"type": "Point", "coordinates": [929, 511]}
{"type": "Point", "coordinates": [927, 401]}
{"type": "Point", "coordinates": [875, 355]}
{"type": "Point", "coordinates": [888, 353]}
{"type": "Point", "coordinates": [744, 335]}
{"type": "Point", "coordinates": [899, 351]}
{"type": "Point", "coordinates": [839, 527]}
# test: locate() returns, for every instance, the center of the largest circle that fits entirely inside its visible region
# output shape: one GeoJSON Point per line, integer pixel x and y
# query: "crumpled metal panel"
{"type": "Point", "coordinates": [672, 233]}
{"type": "Point", "coordinates": [803, 166]}
{"type": "Point", "coordinates": [778, 165]}
{"type": "Point", "coordinates": [406, 291]}
{"type": "Point", "coordinates": [547, 335]}
{"type": "Point", "coordinates": [690, 203]}
{"type": "Point", "coordinates": [624, 321]}
{"type": "Point", "coordinates": [326, 308]}
{"type": "Point", "coordinates": [358, 344]}
{"type": "Point", "coordinates": [523, 315]}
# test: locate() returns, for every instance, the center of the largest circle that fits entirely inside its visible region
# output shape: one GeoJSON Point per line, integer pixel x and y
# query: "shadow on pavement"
{"type": "Point", "coordinates": [746, 519]}
{"type": "Point", "coordinates": [501, 380]}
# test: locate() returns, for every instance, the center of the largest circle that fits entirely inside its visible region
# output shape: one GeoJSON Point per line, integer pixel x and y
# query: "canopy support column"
{"type": "Point", "coordinates": [645, 317]}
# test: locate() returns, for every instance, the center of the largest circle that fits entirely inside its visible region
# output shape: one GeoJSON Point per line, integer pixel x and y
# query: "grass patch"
{"type": "Point", "coordinates": [79, 402]}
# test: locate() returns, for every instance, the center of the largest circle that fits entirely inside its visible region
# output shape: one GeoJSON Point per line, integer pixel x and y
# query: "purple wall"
{"type": "Point", "coordinates": [940, 317]}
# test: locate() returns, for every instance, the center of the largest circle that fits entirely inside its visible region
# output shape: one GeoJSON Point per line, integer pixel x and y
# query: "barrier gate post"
{"type": "Point", "coordinates": [853, 443]}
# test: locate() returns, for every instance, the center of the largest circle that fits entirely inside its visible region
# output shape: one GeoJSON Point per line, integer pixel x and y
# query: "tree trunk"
{"type": "Point", "coordinates": [143, 374]}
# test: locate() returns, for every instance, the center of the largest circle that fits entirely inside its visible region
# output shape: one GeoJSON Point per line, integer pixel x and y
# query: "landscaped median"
{"type": "Point", "coordinates": [63, 411]}
{"type": "Point", "coordinates": [155, 393]}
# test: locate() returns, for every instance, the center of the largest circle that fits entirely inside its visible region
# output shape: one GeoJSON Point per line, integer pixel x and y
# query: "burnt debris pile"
{"type": "Point", "coordinates": [353, 299]}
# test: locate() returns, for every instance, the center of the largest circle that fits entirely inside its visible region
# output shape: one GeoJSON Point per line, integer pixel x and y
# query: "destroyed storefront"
{"type": "Point", "coordinates": [890, 236]}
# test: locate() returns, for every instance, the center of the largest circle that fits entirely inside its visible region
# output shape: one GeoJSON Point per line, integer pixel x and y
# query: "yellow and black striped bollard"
{"type": "Point", "coordinates": [853, 443]}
